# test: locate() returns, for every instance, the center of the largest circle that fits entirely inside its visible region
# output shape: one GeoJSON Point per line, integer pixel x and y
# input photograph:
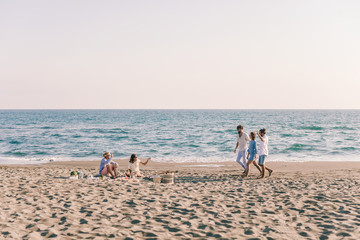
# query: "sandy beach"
{"type": "Point", "coordinates": [311, 200]}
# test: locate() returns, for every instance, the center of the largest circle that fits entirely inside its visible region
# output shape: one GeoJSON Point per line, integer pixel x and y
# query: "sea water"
{"type": "Point", "coordinates": [194, 136]}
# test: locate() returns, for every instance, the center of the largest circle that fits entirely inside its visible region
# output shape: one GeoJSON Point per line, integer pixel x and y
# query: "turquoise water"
{"type": "Point", "coordinates": [36, 136]}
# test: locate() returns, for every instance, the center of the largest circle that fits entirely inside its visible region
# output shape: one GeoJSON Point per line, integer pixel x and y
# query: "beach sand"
{"type": "Point", "coordinates": [311, 200]}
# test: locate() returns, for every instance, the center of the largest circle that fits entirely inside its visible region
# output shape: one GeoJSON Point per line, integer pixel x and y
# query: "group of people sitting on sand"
{"type": "Point", "coordinates": [109, 167]}
{"type": "Point", "coordinates": [247, 155]}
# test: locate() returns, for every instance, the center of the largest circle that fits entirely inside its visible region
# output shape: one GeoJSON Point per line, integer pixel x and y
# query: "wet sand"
{"type": "Point", "coordinates": [311, 200]}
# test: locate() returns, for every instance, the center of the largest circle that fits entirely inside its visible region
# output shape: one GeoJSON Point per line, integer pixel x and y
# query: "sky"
{"type": "Point", "coordinates": [188, 54]}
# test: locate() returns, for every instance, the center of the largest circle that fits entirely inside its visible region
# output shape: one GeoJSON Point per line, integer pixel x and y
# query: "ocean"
{"type": "Point", "coordinates": [193, 136]}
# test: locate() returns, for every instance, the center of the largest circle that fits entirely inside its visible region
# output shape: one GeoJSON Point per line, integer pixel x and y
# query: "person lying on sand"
{"type": "Point", "coordinates": [107, 166]}
{"type": "Point", "coordinates": [134, 167]}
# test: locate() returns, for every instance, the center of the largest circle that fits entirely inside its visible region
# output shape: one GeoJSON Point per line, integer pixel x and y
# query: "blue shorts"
{"type": "Point", "coordinates": [262, 159]}
{"type": "Point", "coordinates": [251, 157]}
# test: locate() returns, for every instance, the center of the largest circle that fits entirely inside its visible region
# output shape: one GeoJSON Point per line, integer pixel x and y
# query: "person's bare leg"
{"type": "Point", "coordinates": [115, 170]}
{"type": "Point", "coordinates": [138, 174]}
{"type": "Point", "coordinates": [270, 170]}
{"type": "Point", "coordinates": [109, 169]}
{"type": "Point", "coordinates": [247, 169]}
{"type": "Point", "coordinates": [257, 166]}
{"type": "Point", "coordinates": [263, 171]}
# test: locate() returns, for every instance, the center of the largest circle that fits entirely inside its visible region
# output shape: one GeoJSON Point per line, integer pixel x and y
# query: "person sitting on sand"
{"type": "Point", "coordinates": [263, 152]}
{"type": "Point", "coordinates": [107, 166]}
{"type": "Point", "coordinates": [133, 166]}
{"type": "Point", "coordinates": [251, 156]}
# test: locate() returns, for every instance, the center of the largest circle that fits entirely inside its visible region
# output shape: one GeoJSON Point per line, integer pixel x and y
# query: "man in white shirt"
{"type": "Point", "coordinates": [242, 140]}
{"type": "Point", "coordinates": [263, 151]}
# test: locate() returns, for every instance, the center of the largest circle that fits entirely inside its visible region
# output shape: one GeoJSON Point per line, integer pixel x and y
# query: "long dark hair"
{"type": "Point", "coordinates": [132, 158]}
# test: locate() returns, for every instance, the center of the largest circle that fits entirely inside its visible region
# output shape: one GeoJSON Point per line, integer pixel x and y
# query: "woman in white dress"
{"type": "Point", "coordinates": [134, 166]}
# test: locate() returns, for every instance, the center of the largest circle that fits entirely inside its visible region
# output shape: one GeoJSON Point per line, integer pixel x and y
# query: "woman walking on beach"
{"type": "Point", "coordinates": [107, 166]}
{"type": "Point", "coordinates": [242, 139]}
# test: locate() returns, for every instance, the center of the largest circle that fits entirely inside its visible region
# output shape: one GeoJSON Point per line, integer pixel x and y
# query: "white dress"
{"type": "Point", "coordinates": [134, 167]}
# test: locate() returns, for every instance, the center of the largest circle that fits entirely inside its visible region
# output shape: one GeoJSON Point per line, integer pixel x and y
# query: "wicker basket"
{"type": "Point", "coordinates": [168, 178]}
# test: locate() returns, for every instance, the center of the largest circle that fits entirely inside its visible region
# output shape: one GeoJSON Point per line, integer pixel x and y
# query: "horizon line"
{"type": "Point", "coordinates": [24, 109]}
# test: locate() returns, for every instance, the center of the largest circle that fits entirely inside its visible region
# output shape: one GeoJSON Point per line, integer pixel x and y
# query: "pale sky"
{"type": "Point", "coordinates": [186, 54]}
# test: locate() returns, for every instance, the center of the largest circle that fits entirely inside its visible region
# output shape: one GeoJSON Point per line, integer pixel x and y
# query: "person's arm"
{"type": "Point", "coordinates": [237, 145]}
{"type": "Point", "coordinates": [247, 138]}
{"type": "Point", "coordinates": [144, 163]}
{"type": "Point", "coordinates": [111, 161]}
{"type": "Point", "coordinates": [261, 138]}
{"type": "Point", "coordinates": [247, 157]}
{"type": "Point", "coordinates": [115, 163]}
{"type": "Point", "coordinates": [108, 161]}
{"type": "Point", "coordinates": [105, 162]}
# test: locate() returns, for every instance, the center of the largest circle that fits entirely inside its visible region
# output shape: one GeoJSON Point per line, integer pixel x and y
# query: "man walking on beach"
{"type": "Point", "coordinates": [242, 139]}
{"type": "Point", "coordinates": [263, 151]}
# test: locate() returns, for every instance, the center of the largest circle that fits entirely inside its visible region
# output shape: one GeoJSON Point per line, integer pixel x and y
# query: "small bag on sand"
{"type": "Point", "coordinates": [157, 179]}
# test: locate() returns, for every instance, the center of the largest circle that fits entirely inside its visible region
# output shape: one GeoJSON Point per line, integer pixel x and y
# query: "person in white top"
{"type": "Point", "coordinates": [133, 166]}
{"type": "Point", "coordinates": [242, 140]}
{"type": "Point", "coordinates": [263, 151]}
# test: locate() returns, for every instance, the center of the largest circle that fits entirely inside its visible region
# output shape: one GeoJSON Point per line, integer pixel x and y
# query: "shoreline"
{"type": "Point", "coordinates": [283, 167]}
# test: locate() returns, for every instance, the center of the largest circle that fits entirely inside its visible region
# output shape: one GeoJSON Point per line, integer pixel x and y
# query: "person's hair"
{"type": "Point", "coordinates": [132, 158]}
{"type": "Point", "coordinates": [253, 136]}
{"type": "Point", "coordinates": [106, 154]}
{"type": "Point", "coordinates": [263, 131]}
{"type": "Point", "coordinates": [240, 127]}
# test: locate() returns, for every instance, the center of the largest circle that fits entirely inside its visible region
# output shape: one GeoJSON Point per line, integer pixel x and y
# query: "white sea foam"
{"type": "Point", "coordinates": [190, 136]}
{"type": "Point", "coordinates": [203, 162]}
